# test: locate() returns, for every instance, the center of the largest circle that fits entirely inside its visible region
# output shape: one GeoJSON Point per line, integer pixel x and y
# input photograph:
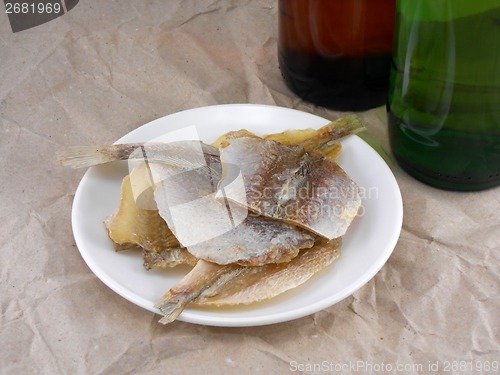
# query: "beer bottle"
{"type": "Point", "coordinates": [337, 53]}
{"type": "Point", "coordinates": [444, 101]}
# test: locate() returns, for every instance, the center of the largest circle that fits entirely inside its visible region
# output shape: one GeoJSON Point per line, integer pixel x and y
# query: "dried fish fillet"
{"type": "Point", "coordinates": [186, 200]}
{"type": "Point", "coordinates": [287, 184]}
{"type": "Point", "coordinates": [253, 284]}
{"type": "Point", "coordinates": [259, 257]}
{"type": "Point", "coordinates": [315, 139]}
{"type": "Point", "coordinates": [130, 225]}
{"type": "Point", "coordinates": [88, 156]}
{"type": "Point", "coordinates": [180, 154]}
{"type": "Point", "coordinates": [322, 141]}
{"type": "Point", "coordinates": [256, 241]}
{"type": "Point", "coordinates": [224, 233]}
{"type": "Point", "coordinates": [189, 288]}
{"type": "Point", "coordinates": [209, 284]}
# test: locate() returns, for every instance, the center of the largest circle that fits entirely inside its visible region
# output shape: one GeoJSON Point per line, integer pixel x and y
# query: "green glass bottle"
{"type": "Point", "coordinates": [444, 96]}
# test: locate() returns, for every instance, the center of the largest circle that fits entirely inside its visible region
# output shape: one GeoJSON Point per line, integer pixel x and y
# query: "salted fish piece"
{"type": "Point", "coordinates": [288, 184]}
{"type": "Point", "coordinates": [256, 241]}
{"type": "Point", "coordinates": [246, 285]}
{"type": "Point", "coordinates": [209, 284]}
{"type": "Point", "coordinates": [323, 140]}
{"type": "Point", "coordinates": [182, 153]}
{"type": "Point", "coordinates": [189, 288]}
{"type": "Point", "coordinates": [87, 156]}
{"type": "Point", "coordinates": [136, 221]}
{"type": "Point", "coordinates": [218, 231]}
{"type": "Point", "coordinates": [136, 224]}
{"type": "Point", "coordinates": [185, 195]}
{"type": "Point", "coordinates": [189, 154]}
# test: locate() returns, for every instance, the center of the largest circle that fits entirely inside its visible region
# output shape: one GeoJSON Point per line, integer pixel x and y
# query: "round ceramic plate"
{"type": "Point", "coordinates": [366, 247]}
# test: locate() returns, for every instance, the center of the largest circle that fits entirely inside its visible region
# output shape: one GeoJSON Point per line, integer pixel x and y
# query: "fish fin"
{"type": "Point", "coordinates": [175, 154]}
{"type": "Point", "coordinates": [188, 289]}
{"type": "Point", "coordinates": [351, 124]}
{"type": "Point", "coordinates": [336, 130]}
{"type": "Point", "coordinates": [312, 140]}
{"type": "Point", "coordinates": [171, 307]}
{"type": "Point", "coordinates": [172, 303]}
{"type": "Point", "coordinates": [88, 156]}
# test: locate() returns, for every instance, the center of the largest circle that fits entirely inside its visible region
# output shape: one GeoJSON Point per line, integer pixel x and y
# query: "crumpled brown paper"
{"type": "Point", "coordinates": [105, 68]}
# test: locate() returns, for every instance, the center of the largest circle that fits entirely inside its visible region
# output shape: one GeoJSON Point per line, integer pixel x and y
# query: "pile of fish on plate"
{"type": "Point", "coordinates": [255, 216]}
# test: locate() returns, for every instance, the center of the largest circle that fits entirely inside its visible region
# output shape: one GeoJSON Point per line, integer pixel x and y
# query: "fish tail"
{"type": "Point", "coordinates": [201, 277]}
{"type": "Point", "coordinates": [171, 306]}
{"type": "Point", "coordinates": [345, 126]}
{"type": "Point", "coordinates": [88, 156]}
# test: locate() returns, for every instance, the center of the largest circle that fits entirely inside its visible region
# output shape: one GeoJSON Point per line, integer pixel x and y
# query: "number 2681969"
{"type": "Point", "coordinates": [25, 8]}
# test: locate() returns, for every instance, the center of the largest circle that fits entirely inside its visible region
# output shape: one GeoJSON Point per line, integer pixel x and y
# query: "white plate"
{"type": "Point", "coordinates": [366, 247]}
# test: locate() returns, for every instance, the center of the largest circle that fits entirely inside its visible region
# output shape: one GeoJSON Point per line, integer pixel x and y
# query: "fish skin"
{"type": "Point", "coordinates": [209, 284]}
{"type": "Point", "coordinates": [225, 233]}
{"type": "Point", "coordinates": [254, 284]}
{"type": "Point", "coordinates": [287, 184]}
{"type": "Point", "coordinates": [257, 240]}
{"type": "Point", "coordinates": [324, 139]}
{"type": "Point", "coordinates": [308, 139]}
{"type": "Point", "coordinates": [182, 154]}
{"type": "Point", "coordinates": [313, 139]}
{"type": "Point", "coordinates": [189, 288]}
{"type": "Point", "coordinates": [156, 152]}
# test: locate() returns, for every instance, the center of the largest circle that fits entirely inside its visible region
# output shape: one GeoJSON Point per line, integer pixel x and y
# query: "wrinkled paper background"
{"type": "Point", "coordinates": [107, 67]}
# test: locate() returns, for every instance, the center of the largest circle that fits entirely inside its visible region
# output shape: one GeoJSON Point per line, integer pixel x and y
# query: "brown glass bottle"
{"type": "Point", "coordinates": [337, 53]}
